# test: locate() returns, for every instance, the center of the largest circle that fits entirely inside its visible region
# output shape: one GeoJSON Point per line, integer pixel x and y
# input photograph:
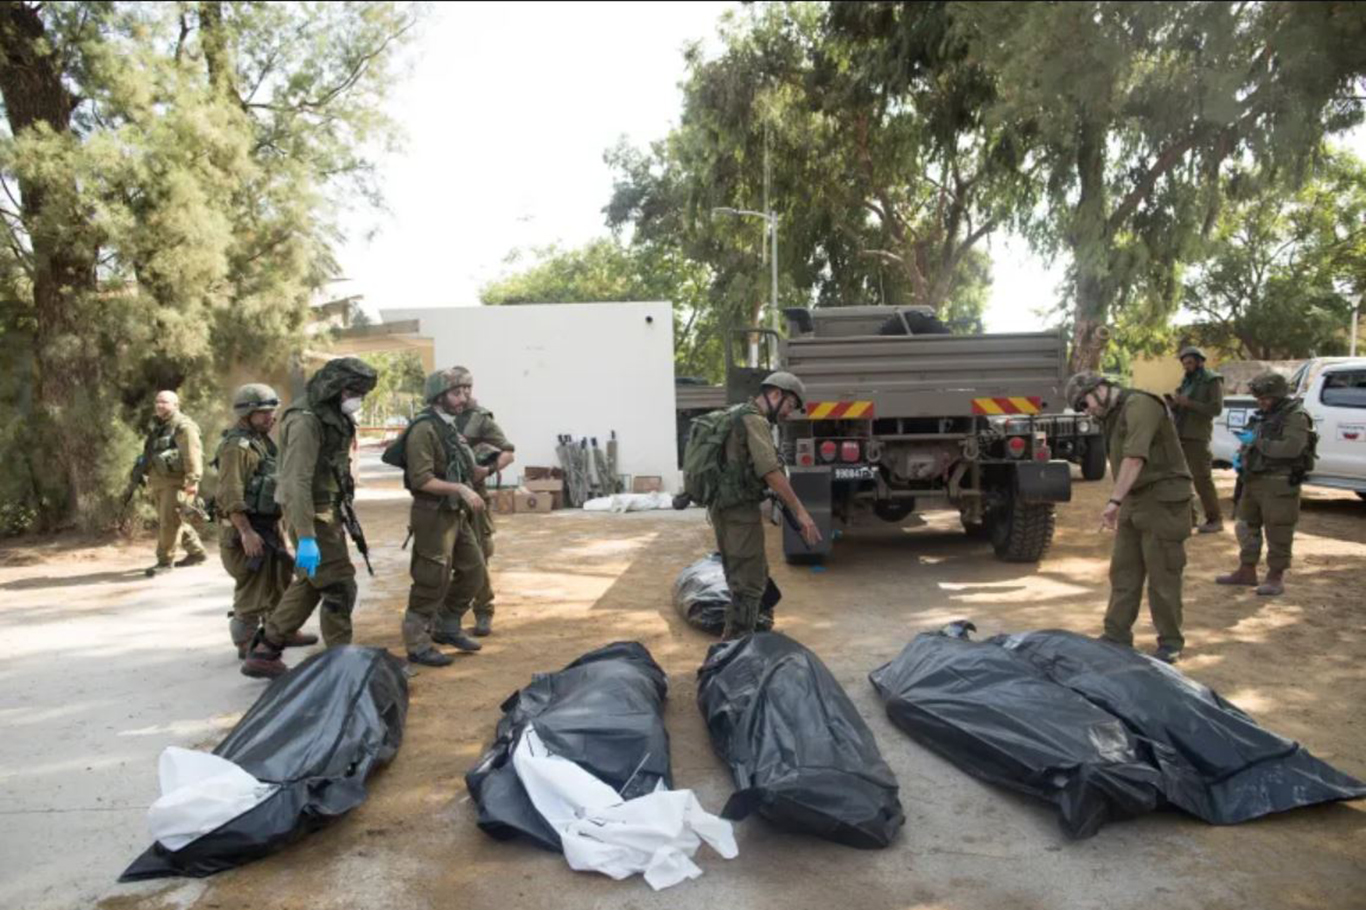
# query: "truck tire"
{"type": "Point", "coordinates": [1022, 532]}
{"type": "Point", "coordinates": [1093, 459]}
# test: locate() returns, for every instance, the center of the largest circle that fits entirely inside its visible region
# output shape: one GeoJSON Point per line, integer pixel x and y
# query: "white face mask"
{"type": "Point", "coordinates": [350, 406]}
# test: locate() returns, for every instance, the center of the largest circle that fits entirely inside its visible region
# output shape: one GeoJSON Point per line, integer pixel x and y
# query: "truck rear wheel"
{"type": "Point", "coordinates": [1022, 532]}
{"type": "Point", "coordinates": [1093, 459]}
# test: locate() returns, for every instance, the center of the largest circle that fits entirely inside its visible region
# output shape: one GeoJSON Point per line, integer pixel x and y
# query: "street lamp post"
{"type": "Point", "coordinates": [771, 221]}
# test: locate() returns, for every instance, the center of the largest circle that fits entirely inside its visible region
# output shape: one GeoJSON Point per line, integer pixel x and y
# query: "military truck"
{"type": "Point", "coordinates": [902, 416]}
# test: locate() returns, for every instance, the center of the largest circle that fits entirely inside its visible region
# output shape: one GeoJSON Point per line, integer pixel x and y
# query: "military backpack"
{"type": "Point", "coordinates": [709, 478]}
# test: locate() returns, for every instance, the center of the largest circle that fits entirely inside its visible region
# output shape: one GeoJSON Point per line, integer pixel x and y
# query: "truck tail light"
{"type": "Point", "coordinates": [1016, 446]}
{"type": "Point", "coordinates": [806, 452]}
{"type": "Point", "coordinates": [1043, 453]}
{"type": "Point", "coordinates": [828, 451]}
{"type": "Point", "coordinates": [849, 451]}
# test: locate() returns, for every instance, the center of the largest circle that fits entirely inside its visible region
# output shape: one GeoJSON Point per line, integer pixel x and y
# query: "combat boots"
{"type": "Point", "coordinates": [1274, 584]}
{"type": "Point", "coordinates": [1213, 526]}
{"type": "Point", "coordinates": [456, 639]}
{"type": "Point", "coordinates": [243, 633]}
{"type": "Point", "coordinates": [431, 658]}
{"type": "Point", "coordinates": [483, 625]}
{"type": "Point", "coordinates": [263, 661]}
{"type": "Point", "coordinates": [1246, 575]}
{"type": "Point", "coordinates": [161, 568]}
{"type": "Point", "coordinates": [191, 559]}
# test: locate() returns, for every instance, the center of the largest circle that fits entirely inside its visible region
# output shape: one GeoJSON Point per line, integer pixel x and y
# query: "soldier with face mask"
{"type": "Point", "coordinates": [1274, 465]}
{"type": "Point", "coordinates": [174, 462]}
{"type": "Point", "coordinates": [440, 473]}
{"type": "Point", "coordinates": [1149, 508]}
{"type": "Point", "coordinates": [753, 467]}
{"type": "Point", "coordinates": [316, 435]}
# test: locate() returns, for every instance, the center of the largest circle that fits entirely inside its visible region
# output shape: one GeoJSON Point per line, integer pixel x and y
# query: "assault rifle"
{"type": "Point", "coordinates": [347, 508]}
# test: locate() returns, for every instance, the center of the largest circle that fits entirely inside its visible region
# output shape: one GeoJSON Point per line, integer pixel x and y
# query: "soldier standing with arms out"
{"type": "Point", "coordinates": [1274, 464]}
{"type": "Point", "coordinates": [174, 464]}
{"type": "Point", "coordinates": [439, 471]}
{"type": "Point", "coordinates": [483, 434]}
{"type": "Point", "coordinates": [252, 547]}
{"type": "Point", "coordinates": [752, 467]}
{"type": "Point", "coordinates": [316, 435]}
{"type": "Point", "coordinates": [1149, 509]}
{"type": "Point", "coordinates": [1196, 403]}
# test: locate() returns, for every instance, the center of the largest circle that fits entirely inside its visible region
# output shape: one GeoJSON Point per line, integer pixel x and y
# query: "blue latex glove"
{"type": "Point", "coordinates": [308, 556]}
{"type": "Point", "coordinates": [1247, 437]}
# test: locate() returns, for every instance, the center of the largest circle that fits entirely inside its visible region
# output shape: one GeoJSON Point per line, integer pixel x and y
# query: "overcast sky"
{"type": "Point", "coordinates": [508, 109]}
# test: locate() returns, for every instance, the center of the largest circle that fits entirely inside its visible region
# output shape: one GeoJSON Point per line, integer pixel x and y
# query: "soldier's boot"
{"type": "Point", "coordinates": [1274, 584]}
{"type": "Point", "coordinates": [456, 638]}
{"type": "Point", "coordinates": [1213, 526]}
{"type": "Point", "coordinates": [431, 658]}
{"type": "Point", "coordinates": [242, 633]}
{"type": "Point", "coordinates": [483, 624]}
{"type": "Point", "coordinates": [192, 559]}
{"type": "Point", "coordinates": [740, 620]}
{"type": "Point", "coordinates": [263, 661]}
{"type": "Point", "coordinates": [300, 640]}
{"type": "Point", "coordinates": [161, 568]}
{"type": "Point", "coordinates": [1246, 575]}
{"type": "Point", "coordinates": [1167, 654]}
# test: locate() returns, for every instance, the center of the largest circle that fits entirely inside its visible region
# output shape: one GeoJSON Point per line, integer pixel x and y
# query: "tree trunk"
{"type": "Point", "coordinates": [63, 271]}
{"type": "Point", "coordinates": [1090, 241]}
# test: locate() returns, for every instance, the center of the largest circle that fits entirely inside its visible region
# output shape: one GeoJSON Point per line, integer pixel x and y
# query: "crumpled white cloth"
{"type": "Point", "coordinates": [656, 834]}
{"type": "Point", "coordinates": [200, 792]}
{"type": "Point", "coordinates": [630, 502]}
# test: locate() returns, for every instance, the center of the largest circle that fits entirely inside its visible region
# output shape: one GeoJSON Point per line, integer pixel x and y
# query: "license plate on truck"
{"type": "Point", "coordinates": [862, 472]}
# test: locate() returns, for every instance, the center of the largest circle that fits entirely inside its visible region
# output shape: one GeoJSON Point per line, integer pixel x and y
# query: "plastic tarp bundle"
{"type": "Point", "coordinates": [630, 502]}
{"type": "Point", "coordinates": [798, 750]}
{"type": "Point", "coordinates": [314, 735]}
{"type": "Point", "coordinates": [604, 712]}
{"type": "Point", "coordinates": [1098, 729]}
{"type": "Point", "coordinates": [701, 596]}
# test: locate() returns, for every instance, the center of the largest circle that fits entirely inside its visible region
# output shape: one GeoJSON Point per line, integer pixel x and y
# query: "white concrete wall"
{"type": "Point", "coordinates": [579, 368]}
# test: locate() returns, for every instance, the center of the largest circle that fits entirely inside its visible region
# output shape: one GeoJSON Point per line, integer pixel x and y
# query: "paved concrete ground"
{"type": "Point", "coordinates": [100, 670]}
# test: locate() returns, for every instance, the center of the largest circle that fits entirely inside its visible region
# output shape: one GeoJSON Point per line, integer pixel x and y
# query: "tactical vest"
{"type": "Point", "coordinates": [163, 455]}
{"type": "Point", "coordinates": [260, 488]}
{"type": "Point", "coordinates": [459, 461]}
{"type": "Point", "coordinates": [334, 453]}
{"type": "Point", "coordinates": [1272, 426]}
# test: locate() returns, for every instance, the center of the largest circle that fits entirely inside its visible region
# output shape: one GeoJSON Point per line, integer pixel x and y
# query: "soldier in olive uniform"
{"type": "Point", "coordinates": [174, 462]}
{"type": "Point", "coordinates": [440, 473]}
{"type": "Point", "coordinates": [484, 435]}
{"type": "Point", "coordinates": [1196, 403]}
{"type": "Point", "coordinates": [316, 435]}
{"type": "Point", "coordinates": [1274, 464]}
{"type": "Point", "coordinates": [754, 467]}
{"type": "Point", "coordinates": [251, 547]}
{"type": "Point", "coordinates": [1149, 508]}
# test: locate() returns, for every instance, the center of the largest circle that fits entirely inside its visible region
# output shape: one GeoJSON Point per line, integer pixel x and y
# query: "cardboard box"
{"type": "Point", "coordinates": [532, 502]}
{"type": "Point", "coordinates": [645, 483]}
{"type": "Point", "coordinates": [557, 500]}
{"type": "Point", "coordinates": [502, 501]}
{"type": "Point", "coordinates": [532, 472]}
{"type": "Point", "coordinates": [548, 485]}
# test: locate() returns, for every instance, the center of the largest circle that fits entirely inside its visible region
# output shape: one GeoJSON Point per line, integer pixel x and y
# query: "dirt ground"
{"type": "Point", "coordinates": [569, 582]}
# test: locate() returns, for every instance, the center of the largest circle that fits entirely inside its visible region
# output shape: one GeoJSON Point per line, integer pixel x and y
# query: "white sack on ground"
{"type": "Point", "coordinates": [630, 502]}
{"type": "Point", "coordinates": [656, 834]}
{"type": "Point", "coordinates": [200, 792]}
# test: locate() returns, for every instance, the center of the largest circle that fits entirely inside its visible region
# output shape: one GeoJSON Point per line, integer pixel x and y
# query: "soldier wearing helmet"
{"type": "Point", "coordinates": [440, 472]}
{"type": "Point", "coordinates": [173, 461]}
{"type": "Point", "coordinates": [251, 547]}
{"type": "Point", "coordinates": [1148, 509]}
{"type": "Point", "coordinates": [312, 484]}
{"type": "Point", "coordinates": [736, 519]}
{"type": "Point", "coordinates": [1277, 453]}
{"type": "Point", "coordinates": [493, 451]}
{"type": "Point", "coordinates": [1196, 402]}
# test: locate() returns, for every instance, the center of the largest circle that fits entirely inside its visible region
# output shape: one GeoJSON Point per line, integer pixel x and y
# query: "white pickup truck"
{"type": "Point", "coordinates": [1333, 390]}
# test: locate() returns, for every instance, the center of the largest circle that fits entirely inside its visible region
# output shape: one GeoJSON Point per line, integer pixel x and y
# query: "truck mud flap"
{"type": "Point", "coordinates": [813, 487]}
{"type": "Point", "coordinates": [1049, 481]}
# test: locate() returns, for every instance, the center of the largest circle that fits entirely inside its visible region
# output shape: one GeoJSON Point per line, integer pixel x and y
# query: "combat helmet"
{"type": "Point", "coordinates": [1191, 350]}
{"type": "Point", "coordinates": [1081, 385]}
{"type": "Point", "coordinates": [442, 381]}
{"type": "Point", "coordinates": [253, 397]}
{"type": "Point", "coordinates": [1269, 385]}
{"type": "Point", "coordinates": [788, 383]}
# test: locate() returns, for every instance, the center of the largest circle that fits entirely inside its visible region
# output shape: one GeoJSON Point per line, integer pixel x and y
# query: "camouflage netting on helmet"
{"type": "Point", "coordinates": [336, 376]}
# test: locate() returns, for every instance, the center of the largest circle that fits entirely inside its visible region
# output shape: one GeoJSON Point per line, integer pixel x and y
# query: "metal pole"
{"type": "Point", "coordinates": [773, 228]}
{"type": "Point", "coordinates": [1356, 310]}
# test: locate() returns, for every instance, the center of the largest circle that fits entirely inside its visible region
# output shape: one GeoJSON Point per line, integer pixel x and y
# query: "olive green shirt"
{"type": "Point", "coordinates": [301, 438]}
{"type": "Point", "coordinates": [1205, 389]}
{"type": "Point", "coordinates": [190, 447]}
{"type": "Point", "coordinates": [1281, 440]}
{"type": "Point", "coordinates": [754, 445]}
{"type": "Point", "coordinates": [1138, 427]}
{"type": "Point", "coordinates": [426, 454]}
{"type": "Point", "coordinates": [237, 462]}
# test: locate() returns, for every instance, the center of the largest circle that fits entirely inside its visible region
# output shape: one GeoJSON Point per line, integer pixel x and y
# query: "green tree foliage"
{"type": "Point", "coordinates": [1283, 265]}
{"type": "Point", "coordinates": [1133, 111]}
{"type": "Point", "coordinates": [167, 177]}
{"type": "Point", "coordinates": [883, 179]}
{"type": "Point", "coordinates": [398, 392]}
{"type": "Point", "coordinates": [608, 271]}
